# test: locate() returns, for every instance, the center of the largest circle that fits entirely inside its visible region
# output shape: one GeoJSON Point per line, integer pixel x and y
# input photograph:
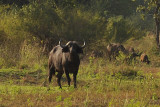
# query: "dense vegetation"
{"type": "Point", "coordinates": [30, 28]}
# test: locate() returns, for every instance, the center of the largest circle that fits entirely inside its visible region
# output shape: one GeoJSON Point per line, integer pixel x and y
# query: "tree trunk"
{"type": "Point", "coordinates": [157, 24]}
{"type": "Point", "coordinates": [157, 34]}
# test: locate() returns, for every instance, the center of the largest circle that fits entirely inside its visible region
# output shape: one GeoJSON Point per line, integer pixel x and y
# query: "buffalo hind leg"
{"type": "Point", "coordinates": [51, 73]}
{"type": "Point", "coordinates": [59, 76]}
{"type": "Point", "coordinates": [68, 78]}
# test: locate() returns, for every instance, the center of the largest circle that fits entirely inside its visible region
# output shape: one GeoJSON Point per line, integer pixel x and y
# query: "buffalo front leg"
{"type": "Point", "coordinates": [109, 58]}
{"type": "Point", "coordinates": [75, 81]}
{"type": "Point", "coordinates": [68, 78]}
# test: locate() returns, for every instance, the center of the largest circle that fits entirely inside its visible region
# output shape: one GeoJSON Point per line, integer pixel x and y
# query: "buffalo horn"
{"type": "Point", "coordinates": [83, 45]}
{"type": "Point", "coordinates": [62, 46]}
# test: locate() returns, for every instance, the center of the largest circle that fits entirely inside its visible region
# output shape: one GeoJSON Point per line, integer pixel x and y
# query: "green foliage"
{"type": "Point", "coordinates": [10, 25]}
{"type": "Point", "coordinates": [77, 21]}
{"type": "Point", "coordinates": [66, 4]}
{"type": "Point", "coordinates": [9, 53]}
{"type": "Point", "coordinates": [134, 103]}
{"type": "Point", "coordinates": [126, 58]}
{"type": "Point", "coordinates": [30, 53]}
{"type": "Point", "coordinates": [109, 8]}
{"type": "Point", "coordinates": [2, 61]}
{"type": "Point", "coordinates": [16, 2]}
{"type": "Point", "coordinates": [68, 102]}
{"type": "Point", "coordinates": [111, 28]}
{"type": "Point", "coordinates": [30, 103]}
{"type": "Point", "coordinates": [121, 57]}
{"type": "Point", "coordinates": [154, 96]}
{"type": "Point", "coordinates": [59, 98]}
{"type": "Point", "coordinates": [119, 7]}
{"type": "Point", "coordinates": [119, 29]}
{"type": "Point", "coordinates": [155, 51]}
{"type": "Point", "coordinates": [40, 19]}
{"type": "Point", "coordinates": [152, 7]}
{"type": "Point", "coordinates": [148, 7]}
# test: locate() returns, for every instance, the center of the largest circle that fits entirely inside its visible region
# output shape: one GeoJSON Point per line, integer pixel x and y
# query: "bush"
{"type": "Point", "coordinates": [30, 54]}
{"type": "Point", "coordinates": [40, 19]}
{"type": "Point", "coordinates": [119, 29]}
{"type": "Point", "coordinates": [9, 53]}
{"type": "Point", "coordinates": [82, 25]}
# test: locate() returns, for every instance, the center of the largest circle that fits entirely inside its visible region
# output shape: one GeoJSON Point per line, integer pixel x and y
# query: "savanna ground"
{"type": "Point", "coordinates": [100, 83]}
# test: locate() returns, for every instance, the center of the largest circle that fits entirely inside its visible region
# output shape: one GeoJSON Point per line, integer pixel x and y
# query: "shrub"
{"type": "Point", "coordinates": [30, 54]}
{"type": "Point", "coordinates": [120, 29]}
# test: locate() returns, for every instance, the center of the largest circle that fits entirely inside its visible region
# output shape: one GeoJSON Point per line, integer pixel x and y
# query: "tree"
{"type": "Point", "coordinates": [152, 7]}
{"type": "Point", "coordinates": [41, 20]}
{"type": "Point", "coordinates": [17, 2]}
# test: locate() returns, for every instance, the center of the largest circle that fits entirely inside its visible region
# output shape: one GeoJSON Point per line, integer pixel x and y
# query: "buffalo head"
{"type": "Point", "coordinates": [72, 47]}
{"type": "Point", "coordinates": [120, 48]}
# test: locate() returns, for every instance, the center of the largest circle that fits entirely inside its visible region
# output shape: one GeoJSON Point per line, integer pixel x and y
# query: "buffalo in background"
{"type": "Point", "coordinates": [113, 50]}
{"type": "Point", "coordinates": [131, 54]}
{"type": "Point", "coordinates": [144, 58]}
{"type": "Point", "coordinates": [65, 59]}
{"type": "Point", "coordinates": [130, 50]}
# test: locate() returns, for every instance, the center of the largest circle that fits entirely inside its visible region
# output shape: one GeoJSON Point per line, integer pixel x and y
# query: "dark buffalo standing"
{"type": "Point", "coordinates": [113, 50]}
{"type": "Point", "coordinates": [65, 59]}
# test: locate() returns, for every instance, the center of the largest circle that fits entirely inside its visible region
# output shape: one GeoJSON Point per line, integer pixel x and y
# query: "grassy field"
{"type": "Point", "coordinates": [100, 83]}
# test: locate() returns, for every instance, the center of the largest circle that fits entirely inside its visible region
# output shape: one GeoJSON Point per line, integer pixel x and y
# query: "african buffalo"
{"type": "Point", "coordinates": [131, 53]}
{"type": "Point", "coordinates": [129, 50]}
{"type": "Point", "coordinates": [144, 58]}
{"type": "Point", "coordinates": [65, 59]}
{"type": "Point", "coordinates": [113, 50]}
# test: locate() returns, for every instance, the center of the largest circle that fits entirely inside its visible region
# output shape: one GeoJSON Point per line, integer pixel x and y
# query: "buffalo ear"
{"type": "Point", "coordinates": [65, 49]}
{"type": "Point", "coordinates": [79, 50]}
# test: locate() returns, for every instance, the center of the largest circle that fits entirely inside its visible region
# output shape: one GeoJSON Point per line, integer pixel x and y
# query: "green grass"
{"type": "Point", "coordinates": [100, 83]}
